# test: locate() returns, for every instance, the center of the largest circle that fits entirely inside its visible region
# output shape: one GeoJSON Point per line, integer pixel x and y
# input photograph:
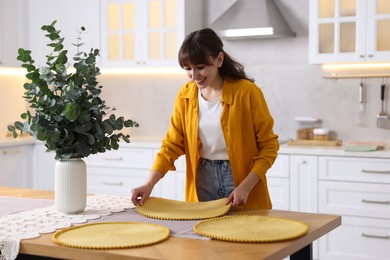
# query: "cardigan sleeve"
{"type": "Point", "coordinates": [173, 144]}
{"type": "Point", "coordinates": [267, 140]}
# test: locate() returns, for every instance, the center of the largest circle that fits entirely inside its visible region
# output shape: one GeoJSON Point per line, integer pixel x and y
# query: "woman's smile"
{"type": "Point", "coordinates": [200, 81]}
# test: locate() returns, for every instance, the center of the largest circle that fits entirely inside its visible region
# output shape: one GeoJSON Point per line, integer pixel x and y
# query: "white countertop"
{"type": "Point", "coordinates": [331, 151]}
{"type": "Point", "coordinates": [12, 142]}
{"type": "Point", "coordinates": [136, 141]}
{"type": "Point", "coordinates": [155, 143]}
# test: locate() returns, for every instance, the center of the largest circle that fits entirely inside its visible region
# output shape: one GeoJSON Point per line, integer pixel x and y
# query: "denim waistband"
{"type": "Point", "coordinates": [214, 161]}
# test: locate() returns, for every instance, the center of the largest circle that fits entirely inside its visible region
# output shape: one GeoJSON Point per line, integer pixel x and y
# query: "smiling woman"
{"type": "Point", "coordinates": [222, 124]}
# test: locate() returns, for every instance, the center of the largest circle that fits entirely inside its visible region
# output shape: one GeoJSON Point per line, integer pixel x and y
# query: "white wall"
{"type": "Point", "coordinates": [147, 99]}
{"type": "Point", "coordinates": [291, 86]}
{"type": "Point", "coordinates": [11, 102]}
{"type": "Point", "coordinates": [294, 88]}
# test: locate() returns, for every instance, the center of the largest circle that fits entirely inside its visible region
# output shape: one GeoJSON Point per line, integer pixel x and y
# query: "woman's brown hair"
{"type": "Point", "coordinates": [199, 46]}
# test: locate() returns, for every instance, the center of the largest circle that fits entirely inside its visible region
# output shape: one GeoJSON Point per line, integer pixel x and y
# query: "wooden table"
{"type": "Point", "coordinates": [185, 248]}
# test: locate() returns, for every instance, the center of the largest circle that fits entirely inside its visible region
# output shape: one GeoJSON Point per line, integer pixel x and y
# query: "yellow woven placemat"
{"type": "Point", "coordinates": [165, 209]}
{"type": "Point", "coordinates": [251, 228]}
{"type": "Point", "coordinates": [111, 235]}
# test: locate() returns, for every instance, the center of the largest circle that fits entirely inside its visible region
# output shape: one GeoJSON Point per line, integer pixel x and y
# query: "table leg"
{"type": "Point", "coordinates": [304, 253]}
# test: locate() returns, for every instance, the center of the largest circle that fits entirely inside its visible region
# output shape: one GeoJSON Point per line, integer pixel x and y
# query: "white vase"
{"type": "Point", "coordinates": [70, 185]}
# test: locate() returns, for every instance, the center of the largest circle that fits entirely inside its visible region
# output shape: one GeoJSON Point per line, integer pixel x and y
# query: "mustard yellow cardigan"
{"type": "Point", "coordinates": [247, 126]}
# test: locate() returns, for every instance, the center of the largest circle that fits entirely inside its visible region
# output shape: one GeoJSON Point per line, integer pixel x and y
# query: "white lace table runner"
{"type": "Point", "coordinates": [32, 223]}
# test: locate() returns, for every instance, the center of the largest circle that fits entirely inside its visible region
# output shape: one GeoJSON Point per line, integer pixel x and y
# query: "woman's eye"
{"type": "Point", "coordinates": [200, 67]}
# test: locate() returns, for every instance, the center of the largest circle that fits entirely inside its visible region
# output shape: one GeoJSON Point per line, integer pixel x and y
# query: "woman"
{"type": "Point", "coordinates": [222, 124]}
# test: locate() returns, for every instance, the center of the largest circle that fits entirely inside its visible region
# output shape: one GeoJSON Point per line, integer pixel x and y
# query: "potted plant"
{"type": "Point", "coordinates": [67, 113]}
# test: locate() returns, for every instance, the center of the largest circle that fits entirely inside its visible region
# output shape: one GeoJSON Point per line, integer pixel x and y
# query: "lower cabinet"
{"type": "Point", "coordinates": [172, 186]}
{"type": "Point", "coordinates": [304, 187]}
{"type": "Point", "coordinates": [357, 239]}
{"type": "Point", "coordinates": [118, 172]}
{"type": "Point", "coordinates": [44, 166]}
{"type": "Point", "coordinates": [359, 190]}
{"type": "Point", "coordinates": [114, 172]}
{"type": "Point", "coordinates": [278, 180]}
{"type": "Point", "coordinates": [357, 187]}
{"type": "Point", "coordinates": [16, 163]}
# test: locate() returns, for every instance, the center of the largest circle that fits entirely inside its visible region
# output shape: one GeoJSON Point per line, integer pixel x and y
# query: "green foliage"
{"type": "Point", "coordinates": [68, 114]}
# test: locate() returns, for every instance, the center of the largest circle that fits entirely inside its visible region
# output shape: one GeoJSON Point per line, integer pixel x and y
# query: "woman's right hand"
{"type": "Point", "coordinates": [141, 193]}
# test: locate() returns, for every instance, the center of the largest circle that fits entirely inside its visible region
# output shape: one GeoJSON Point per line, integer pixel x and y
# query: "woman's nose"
{"type": "Point", "coordinates": [194, 74]}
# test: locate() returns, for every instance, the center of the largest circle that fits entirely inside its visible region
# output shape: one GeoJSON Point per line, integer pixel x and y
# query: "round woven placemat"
{"type": "Point", "coordinates": [111, 235]}
{"type": "Point", "coordinates": [251, 228]}
{"type": "Point", "coordinates": [165, 209]}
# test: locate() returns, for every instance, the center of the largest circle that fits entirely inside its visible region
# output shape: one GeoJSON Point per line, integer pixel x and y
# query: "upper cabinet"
{"type": "Point", "coordinates": [146, 32]}
{"type": "Point", "coordinates": [71, 15]}
{"type": "Point", "coordinates": [127, 32]}
{"type": "Point", "coordinates": [349, 31]}
{"type": "Point", "coordinates": [12, 31]}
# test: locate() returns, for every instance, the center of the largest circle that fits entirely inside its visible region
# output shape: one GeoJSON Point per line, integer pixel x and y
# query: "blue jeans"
{"type": "Point", "coordinates": [214, 179]}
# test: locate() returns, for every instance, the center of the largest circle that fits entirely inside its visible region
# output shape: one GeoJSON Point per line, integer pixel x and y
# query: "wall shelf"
{"type": "Point", "coordinates": [361, 70]}
{"type": "Point", "coordinates": [338, 76]}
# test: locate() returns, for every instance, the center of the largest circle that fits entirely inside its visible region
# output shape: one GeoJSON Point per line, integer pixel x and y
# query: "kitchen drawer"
{"type": "Point", "coordinates": [105, 181]}
{"type": "Point", "coordinates": [354, 199]}
{"type": "Point", "coordinates": [357, 239]}
{"type": "Point", "coordinates": [280, 168]}
{"type": "Point", "coordinates": [135, 158]}
{"type": "Point", "coordinates": [354, 169]}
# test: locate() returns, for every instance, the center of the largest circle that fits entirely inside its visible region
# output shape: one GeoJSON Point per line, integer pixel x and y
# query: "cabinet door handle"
{"type": "Point", "coordinates": [375, 236]}
{"type": "Point", "coordinates": [374, 171]}
{"type": "Point", "coordinates": [376, 201]}
{"type": "Point", "coordinates": [112, 158]}
{"type": "Point", "coordinates": [14, 151]}
{"type": "Point", "coordinates": [115, 183]}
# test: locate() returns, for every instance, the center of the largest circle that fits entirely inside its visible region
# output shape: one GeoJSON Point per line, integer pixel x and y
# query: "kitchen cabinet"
{"type": "Point", "coordinates": [349, 31]}
{"type": "Point", "coordinates": [115, 172]}
{"type": "Point", "coordinates": [358, 189]}
{"type": "Point", "coordinates": [71, 15]}
{"type": "Point", "coordinates": [329, 181]}
{"type": "Point", "coordinates": [13, 34]}
{"type": "Point", "coordinates": [118, 171]}
{"type": "Point", "coordinates": [146, 32]}
{"type": "Point", "coordinates": [44, 167]}
{"type": "Point", "coordinates": [354, 185]}
{"type": "Point", "coordinates": [293, 184]}
{"type": "Point", "coordinates": [304, 187]}
{"type": "Point", "coordinates": [304, 183]}
{"type": "Point", "coordinates": [16, 166]}
{"type": "Point", "coordinates": [172, 186]}
{"type": "Point", "coordinates": [278, 180]}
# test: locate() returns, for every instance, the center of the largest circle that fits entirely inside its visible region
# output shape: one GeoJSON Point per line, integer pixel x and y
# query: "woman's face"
{"type": "Point", "coordinates": [205, 75]}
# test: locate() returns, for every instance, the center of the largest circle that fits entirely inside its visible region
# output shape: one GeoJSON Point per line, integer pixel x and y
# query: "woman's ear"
{"type": "Point", "coordinates": [220, 59]}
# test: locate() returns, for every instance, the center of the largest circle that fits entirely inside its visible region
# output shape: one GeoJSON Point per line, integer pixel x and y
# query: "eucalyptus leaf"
{"type": "Point", "coordinates": [66, 110]}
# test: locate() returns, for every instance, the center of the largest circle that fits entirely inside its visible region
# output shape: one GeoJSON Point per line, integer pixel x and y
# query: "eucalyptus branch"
{"type": "Point", "coordinates": [69, 117]}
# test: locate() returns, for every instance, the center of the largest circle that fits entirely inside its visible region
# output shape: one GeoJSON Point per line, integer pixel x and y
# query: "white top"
{"type": "Point", "coordinates": [210, 131]}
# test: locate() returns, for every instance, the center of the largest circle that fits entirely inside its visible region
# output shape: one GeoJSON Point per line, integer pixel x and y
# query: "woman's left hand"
{"type": "Point", "coordinates": [239, 196]}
